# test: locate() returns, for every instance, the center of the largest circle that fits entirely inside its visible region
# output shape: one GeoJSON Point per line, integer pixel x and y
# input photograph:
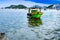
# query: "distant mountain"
{"type": "Point", "coordinates": [56, 6]}
{"type": "Point", "coordinates": [50, 6]}
{"type": "Point", "coordinates": [36, 6]}
{"type": "Point", "coordinates": [16, 7]}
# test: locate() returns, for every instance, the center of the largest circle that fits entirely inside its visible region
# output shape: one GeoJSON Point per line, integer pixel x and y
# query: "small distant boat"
{"type": "Point", "coordinates": [34, 13]}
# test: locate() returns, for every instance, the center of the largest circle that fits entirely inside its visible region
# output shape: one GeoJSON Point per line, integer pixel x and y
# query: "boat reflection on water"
{"type": "Point", "coordinates": [34, 22]}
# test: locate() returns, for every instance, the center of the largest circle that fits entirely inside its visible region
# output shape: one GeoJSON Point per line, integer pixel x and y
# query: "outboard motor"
{"type": "Point", "coordinates": [29, 14]}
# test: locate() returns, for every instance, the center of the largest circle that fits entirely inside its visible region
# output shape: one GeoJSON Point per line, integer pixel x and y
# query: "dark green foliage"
{"type": "Point", "coordinates": [51, 6]}
{"type": "Point", "coordinates": [16, 6]}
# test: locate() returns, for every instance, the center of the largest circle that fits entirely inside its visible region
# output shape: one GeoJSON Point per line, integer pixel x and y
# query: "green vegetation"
{"type": "Point", "coordinates": [16, 6]}
{"type": "Point", "coordinates": [50, 6]}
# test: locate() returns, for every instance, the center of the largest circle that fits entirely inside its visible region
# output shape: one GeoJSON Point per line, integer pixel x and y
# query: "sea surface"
{"type": "Point", "coordinates": [15, 24]}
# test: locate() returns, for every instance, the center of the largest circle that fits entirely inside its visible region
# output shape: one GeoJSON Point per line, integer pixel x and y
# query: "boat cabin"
{"type": "Point", "coordinates": [34, 12]}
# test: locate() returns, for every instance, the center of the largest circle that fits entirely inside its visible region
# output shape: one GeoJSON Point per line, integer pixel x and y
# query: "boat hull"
{"type": "Point", "coordinates": [34, 15]}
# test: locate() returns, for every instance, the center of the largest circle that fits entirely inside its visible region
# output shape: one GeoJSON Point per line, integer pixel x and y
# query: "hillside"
{"type": "Point", "coordinates": [16, 6]}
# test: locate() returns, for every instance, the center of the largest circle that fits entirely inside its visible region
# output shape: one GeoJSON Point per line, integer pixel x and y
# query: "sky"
{"type": "Point", "coordinates": [46, 1]}
{"type": "Point", "coordinates": [28, 3]}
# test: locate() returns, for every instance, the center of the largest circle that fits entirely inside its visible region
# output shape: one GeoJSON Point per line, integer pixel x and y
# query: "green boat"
{"type": "Point", "coordinates": [35, 13]}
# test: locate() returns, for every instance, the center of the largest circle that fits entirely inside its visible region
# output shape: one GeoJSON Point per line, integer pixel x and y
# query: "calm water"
{"type": "Point", "coordinates": [17, 26]}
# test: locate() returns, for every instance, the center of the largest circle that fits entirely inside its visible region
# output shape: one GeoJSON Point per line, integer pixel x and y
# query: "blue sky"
{"type": "Point", "coordinates": [28, 3]}
{"type": "Point", "coordinates": [46, 1]}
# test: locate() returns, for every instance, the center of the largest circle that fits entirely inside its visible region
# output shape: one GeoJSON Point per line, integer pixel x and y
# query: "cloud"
{"type": "Point", "coordinates": [23, 2]}
{"type": "Point", "coordinates": [30, 3]}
